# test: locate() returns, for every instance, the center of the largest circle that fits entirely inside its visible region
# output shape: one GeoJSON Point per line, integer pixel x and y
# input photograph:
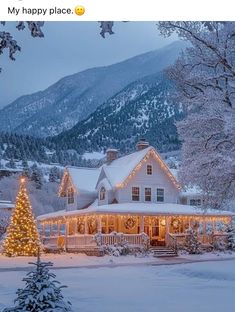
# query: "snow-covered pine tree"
{"type": "Point", "coordinates": [41, 292]}
{"type": "Point", "coordinates": [11, 164]}
{"type": "Point", "coordinates": [26, 170]}
{"type": "Point", "coordinates": [36, 176]}
{"type": "Point", "coordinates": [4, 221]}
{"type": "Point", "coordinates": [54, 174]}
{"type": "Point", "coordinates": [231, 237]}
{"type": "Point", "coordinates": [192, 243]}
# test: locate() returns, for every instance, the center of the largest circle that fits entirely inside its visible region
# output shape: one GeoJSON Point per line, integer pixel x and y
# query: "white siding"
{"type": "Point", "coordinates": [158, 179]}
{"type": "Point", "coordinates": [81, 200]}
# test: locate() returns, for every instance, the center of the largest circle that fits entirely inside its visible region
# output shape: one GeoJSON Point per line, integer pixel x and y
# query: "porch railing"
{"type": "Point", "coordinates": [118, 238]}
{"type": "Point", "coordinates": [178, 241]}
{"type": "Point", "coordinates": [171, 242]}
{"type": "Point", "coordinates": [80, 240]}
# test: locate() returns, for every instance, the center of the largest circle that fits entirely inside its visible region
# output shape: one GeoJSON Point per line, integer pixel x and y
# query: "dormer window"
{"type": "Point", "coordinates": [102, 193]}
{"type": "Point", "coordinates": [70, 195]}
{"type": "Point", "coordinates": [149, 170]}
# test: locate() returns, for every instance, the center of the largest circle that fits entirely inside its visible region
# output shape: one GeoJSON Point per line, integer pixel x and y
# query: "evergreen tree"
{"type": "Point", "coordinates": [41, 292]}
{"type": "Point", "coordinates": [26, 170]}
{"type": "Point", "coordinates": [231, 239]}
{"type": "Point", "coordinates": [192, 243]}
{"type": "Point", "coordinates": [36, 176]}
{"type": "Point", "coordinates": [54, 174]}
{"type": "Point", "coordinates": [22, 235]}
{"type": "Point", "coordinates": [11, 164]}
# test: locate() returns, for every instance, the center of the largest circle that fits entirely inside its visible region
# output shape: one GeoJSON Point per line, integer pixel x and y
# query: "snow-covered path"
{"type": "Point", "coordinates": [205, 286]}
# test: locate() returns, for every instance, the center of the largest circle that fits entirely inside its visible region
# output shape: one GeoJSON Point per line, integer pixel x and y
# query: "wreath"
{"type": "Point", "coordinates": [130, 223]}
{"type": "Point", "coordinates": [175, 223]}
{"type": "Point", "coordinates": [81, 227]}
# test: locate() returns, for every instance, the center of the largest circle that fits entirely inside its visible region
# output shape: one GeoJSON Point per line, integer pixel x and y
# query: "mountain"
{"type": "Point", "coordinates": [73, 98]}
{"type": "Point", "coordinates": [142, 109]}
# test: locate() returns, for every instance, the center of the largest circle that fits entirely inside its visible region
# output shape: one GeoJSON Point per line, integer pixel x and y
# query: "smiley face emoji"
{"type": "Point", "coordinates": [79, 10]}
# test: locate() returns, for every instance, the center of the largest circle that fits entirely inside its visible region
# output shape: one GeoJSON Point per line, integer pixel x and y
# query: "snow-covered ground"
{"type": "Point", "coordinates": [204, 286]}
{"type": "Point", "coordinates": [68, 260]}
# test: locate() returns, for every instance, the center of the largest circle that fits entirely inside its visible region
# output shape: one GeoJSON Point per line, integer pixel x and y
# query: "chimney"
{"type": "Point", "coordinates": [142, 144]}
{"type": "Point", "coordinates": [111, 154]}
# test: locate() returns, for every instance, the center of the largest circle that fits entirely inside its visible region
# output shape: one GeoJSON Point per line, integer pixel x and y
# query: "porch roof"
{"type": "Point", "coordinates": [138, 209]}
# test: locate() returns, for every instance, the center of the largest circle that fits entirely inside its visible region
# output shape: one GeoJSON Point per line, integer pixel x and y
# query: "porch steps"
{"type": "Point", "coordinates": [162, 251]}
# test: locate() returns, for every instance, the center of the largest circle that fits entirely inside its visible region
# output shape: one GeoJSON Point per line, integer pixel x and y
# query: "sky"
{"type": "Point", "coordinates": [67, 48]}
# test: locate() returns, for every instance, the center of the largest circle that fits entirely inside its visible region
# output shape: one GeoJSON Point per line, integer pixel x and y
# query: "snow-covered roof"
{"type": "Point", "coordinates": [192, 191]}
{"type": "Point", "coordinates": [5, 204]}
{"type": "Point", "coordinates": [106, 184]}
{"type": "Point", "coordinates": [139, 209]}
{"type": "Point", "coordinates": [84, 179]}
{"type": "Point", "coordinates": [121, 168]}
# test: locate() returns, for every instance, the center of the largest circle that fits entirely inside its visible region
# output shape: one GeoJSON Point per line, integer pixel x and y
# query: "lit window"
{"type": "Point", "coordinates": [195, 202]}
{"type": "Point", "coordinates": [149, 169]}
{"type": "Point", "coordinates": [135, 193]}
{"type": "Point", "coordinates": [102, 193]}
{"type": "Point", "coordinates": [147, 193]}
{"type": "Point", "coordinates": [160, 195]}
{"type": "Point", "coordinates": [70, 195]}
{"type": "Point", "coordinates": [155, 227]}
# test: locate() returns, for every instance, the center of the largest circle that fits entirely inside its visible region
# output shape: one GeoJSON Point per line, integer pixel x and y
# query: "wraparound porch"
{"type": "Point", "coordinates": [78, 233]}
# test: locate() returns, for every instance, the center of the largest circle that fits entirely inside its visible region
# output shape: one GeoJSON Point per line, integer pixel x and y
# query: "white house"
{"type": "Point", "coordinates": [136, 195]}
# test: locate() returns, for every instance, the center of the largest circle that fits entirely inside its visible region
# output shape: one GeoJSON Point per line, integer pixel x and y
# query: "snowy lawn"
{"type": "Point", "coordinates": [205, 286]}
{"type": "Point", "coordinates": [81, 260]}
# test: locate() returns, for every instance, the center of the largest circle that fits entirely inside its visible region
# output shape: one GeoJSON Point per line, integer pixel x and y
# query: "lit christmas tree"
{"type": "Point", "coordinates": [22, 235]}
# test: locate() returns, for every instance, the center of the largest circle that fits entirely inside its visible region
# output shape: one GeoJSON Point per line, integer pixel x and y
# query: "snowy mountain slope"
{"type": "Point", "coordinates": [73, 98]}
{"type": "Point", "coordinates": [142, 109]}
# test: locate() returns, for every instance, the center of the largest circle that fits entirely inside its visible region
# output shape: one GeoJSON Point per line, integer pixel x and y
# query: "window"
{"type": "Point", "coordinates": [147, 193]}
{"type": "Point", "coordinates": [195, 202]}
{"type": "Point", "coordinates": [102, 193]}
{"type": "Point", "coordinates": [135, 193]}
{"type": "Point", "coordinates": [155, 227]}
{"type": "Point", "coordinates": [70, 195]}
{"type": "Point", "coordinates": [160, 195]}
{"type": "Point", "coordinates": [149, 169]}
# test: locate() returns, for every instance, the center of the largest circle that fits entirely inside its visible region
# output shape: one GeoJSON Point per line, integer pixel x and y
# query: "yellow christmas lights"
{"type": "Point", "coordinates": [22, 235]}
{"type": "Point", "coordinates": [163, 166]}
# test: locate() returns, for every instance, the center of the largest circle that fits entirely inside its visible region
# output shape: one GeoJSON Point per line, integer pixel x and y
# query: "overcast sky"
{"type": "Point", "coordinates": [69, 47]}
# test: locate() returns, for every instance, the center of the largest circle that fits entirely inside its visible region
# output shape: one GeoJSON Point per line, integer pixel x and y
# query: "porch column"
{"type": "Point", "coordinates": [43, 229]}
{"type": "Point", "coordinates": [76, 226]}
{"type": "Point", "coordinates": [86, 225]}
{"type": "Point", "coordinates": [99, 226]}
{"type": "Point", "coordinates": [204, 236]}
{"type": "Point", "coordinates": [50, 228]}
{"type": "Point", "coordinates": [141, 224]}
{"type": "Point", "coordinates": [213, 225]}
{"type": "Point", "coordinates": [167, 229]}
{"type": "Point", "coordinates": [58, 228]}
{"type": "Point", "coordinates": [66, 234]}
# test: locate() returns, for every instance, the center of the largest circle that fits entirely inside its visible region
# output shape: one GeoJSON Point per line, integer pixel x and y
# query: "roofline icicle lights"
{"type": "Point", "coordinates": [144, 160]}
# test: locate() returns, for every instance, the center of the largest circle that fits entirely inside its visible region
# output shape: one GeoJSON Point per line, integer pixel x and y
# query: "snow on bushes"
{"type": "Point", "coordinates": [41, 292]}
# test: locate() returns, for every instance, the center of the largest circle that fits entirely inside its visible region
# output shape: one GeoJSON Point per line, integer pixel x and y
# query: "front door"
{"type": "Point", "coordinates": [157, 232]}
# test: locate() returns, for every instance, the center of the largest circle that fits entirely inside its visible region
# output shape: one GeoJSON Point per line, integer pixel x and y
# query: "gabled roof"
{"type": "Point", "coordinates": [83, 179]}
{"type": "Point", "coordinates": [121, 169]}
